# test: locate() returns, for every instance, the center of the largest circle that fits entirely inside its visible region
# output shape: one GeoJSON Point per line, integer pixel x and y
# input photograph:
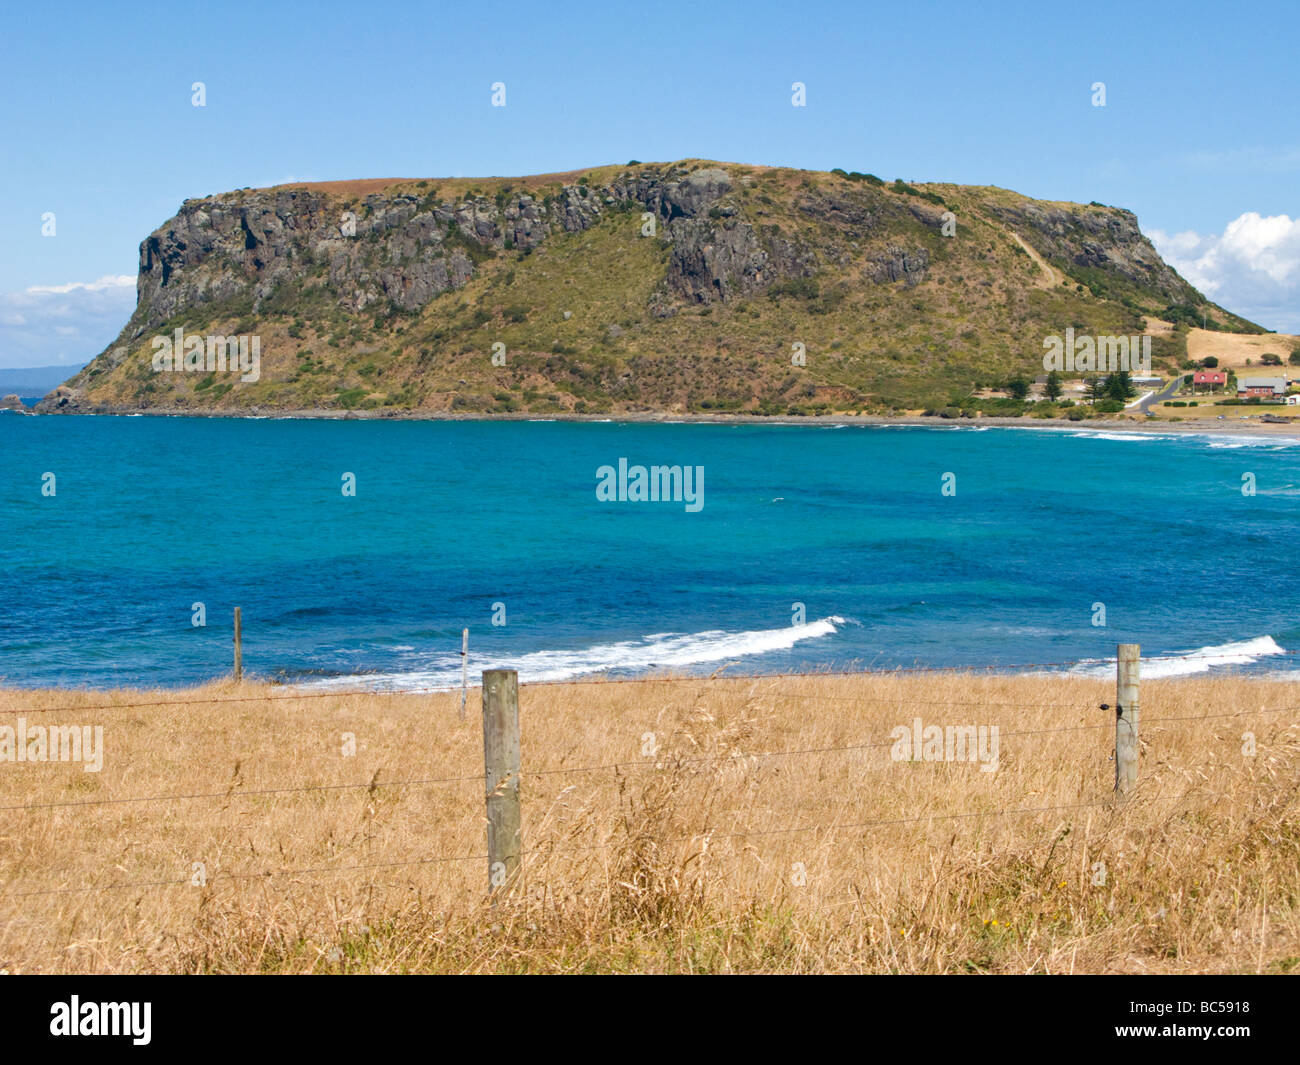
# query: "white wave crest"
{"type": "Point", "coordinates": [1202, 660]}
{"type": "Point", "coordinates": [665, 650]}
{"type": "Point", "coordinates": [1132, 438]}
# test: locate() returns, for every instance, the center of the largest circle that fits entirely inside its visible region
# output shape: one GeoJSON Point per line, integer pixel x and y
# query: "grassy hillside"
{"type": "Point", "coordinates": [597, 317]}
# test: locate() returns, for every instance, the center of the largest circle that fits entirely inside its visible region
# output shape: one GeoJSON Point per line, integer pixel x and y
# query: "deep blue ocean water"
{"type": "Point", "coordinates": [152, 515]}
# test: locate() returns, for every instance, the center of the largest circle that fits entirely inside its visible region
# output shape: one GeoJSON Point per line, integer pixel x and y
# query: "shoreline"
{"type": "Point", "coordinates": [1260, 670]}
{"type": "Point", "coordinates": [1227, 425]}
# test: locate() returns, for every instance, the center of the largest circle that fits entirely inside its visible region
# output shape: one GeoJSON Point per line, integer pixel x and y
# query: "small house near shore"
{"type": "Point", "coordinates": [1267, 387]}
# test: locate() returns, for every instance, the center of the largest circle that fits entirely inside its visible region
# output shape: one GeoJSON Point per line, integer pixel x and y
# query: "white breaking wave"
{"type": "Point", "coordinates": [1273, 443]}
{"type": "Point", "coordinates": [1215, 438]}
{"type": "Point", "coordinates": [1133, 437]}
{"type": "Point", "coordinates": [1202, 660]}
{"type": "Point", "coordinates": [665, 650]}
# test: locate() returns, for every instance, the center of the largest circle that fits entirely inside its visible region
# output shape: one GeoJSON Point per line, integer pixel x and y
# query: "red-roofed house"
{"type": "Point", "coordinates": [1212, 378]}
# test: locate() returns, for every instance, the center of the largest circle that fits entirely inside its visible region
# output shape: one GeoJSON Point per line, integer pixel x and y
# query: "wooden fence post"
{"type": "Point", "coordinates": [501, 773]}
{"type": "Point", "coordinates": [1127, 669]}
{"type": "Point", "coordinates": [239, 647]}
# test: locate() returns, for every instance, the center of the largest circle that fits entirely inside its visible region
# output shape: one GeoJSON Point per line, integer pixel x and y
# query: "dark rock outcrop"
{"type": "Point", "coordinates": [64, 399]}
{"type": "Point", "coordinates": [407, 251]}
{"type": "Point", "coordinates": [896, 264]}
{"type": "Point", "coordinates": [1106, 238]}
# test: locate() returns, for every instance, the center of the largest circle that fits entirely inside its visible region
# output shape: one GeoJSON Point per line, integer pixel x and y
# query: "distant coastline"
{"type": "Point", "coordinates": [1189, 426]}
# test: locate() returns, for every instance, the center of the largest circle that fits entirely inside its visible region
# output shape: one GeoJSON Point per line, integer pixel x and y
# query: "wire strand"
{"type": "Point", "coordinates": [441, 859]}
{"type": "Point", "coordinates": [635, 764]}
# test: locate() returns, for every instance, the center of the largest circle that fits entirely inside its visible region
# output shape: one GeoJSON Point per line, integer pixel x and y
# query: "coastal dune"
{"type": "Point", "coordinates": [721, 824]}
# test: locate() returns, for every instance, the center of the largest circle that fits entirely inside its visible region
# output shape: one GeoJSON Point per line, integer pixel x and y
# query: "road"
{"type": "Point", "coordinates": [1168, 392]}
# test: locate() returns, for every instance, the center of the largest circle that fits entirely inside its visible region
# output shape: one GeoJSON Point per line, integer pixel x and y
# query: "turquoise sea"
{"type": "Point", "coordinates": [460, 524]}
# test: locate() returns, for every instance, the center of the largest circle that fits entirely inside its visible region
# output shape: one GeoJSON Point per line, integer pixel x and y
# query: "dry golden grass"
{"type": "Point", "coordinates": [713, 856]}
{"type": "Point", "coordinates": [1233, 349]}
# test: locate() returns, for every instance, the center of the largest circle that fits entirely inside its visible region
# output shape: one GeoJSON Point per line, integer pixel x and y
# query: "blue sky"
{"type": "Point", "coordinates": [1200, 134]}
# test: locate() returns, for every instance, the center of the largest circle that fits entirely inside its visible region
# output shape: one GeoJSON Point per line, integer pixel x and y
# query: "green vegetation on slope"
{"type": "Point", "coordinates": [760, 290]}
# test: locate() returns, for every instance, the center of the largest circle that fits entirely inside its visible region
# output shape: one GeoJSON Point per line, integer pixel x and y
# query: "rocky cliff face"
{"type": "Point", "coordinates": [1107, 240]}
{"type": "Point", "coordinates": [407, 250]}
{"type": "Point", "coordinates": [384, 289]}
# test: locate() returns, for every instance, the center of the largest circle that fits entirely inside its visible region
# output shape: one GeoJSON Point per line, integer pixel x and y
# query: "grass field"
{"type": "Point", "coordinates": [670, 825]}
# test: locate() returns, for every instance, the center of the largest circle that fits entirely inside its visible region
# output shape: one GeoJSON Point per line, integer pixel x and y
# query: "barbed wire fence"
{"type": "Point", "coordinates": [502, 774]}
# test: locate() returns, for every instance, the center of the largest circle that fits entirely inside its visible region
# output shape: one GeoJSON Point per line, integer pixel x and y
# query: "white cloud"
{"type": "Point", "coordinates": [108, 281]}
{"type": "Point", "coordinates": [1252, 268]}
{"type": "Point", "coordinates": [44, 325]}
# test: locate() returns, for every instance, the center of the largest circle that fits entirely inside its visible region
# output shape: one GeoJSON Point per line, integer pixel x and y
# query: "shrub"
{"type": "Point", "coordinates": [1183, 313]}
{"type": "Point", "coordinates": [476, 252]}
{"type": "Point", "coordinates": [800, 287]}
